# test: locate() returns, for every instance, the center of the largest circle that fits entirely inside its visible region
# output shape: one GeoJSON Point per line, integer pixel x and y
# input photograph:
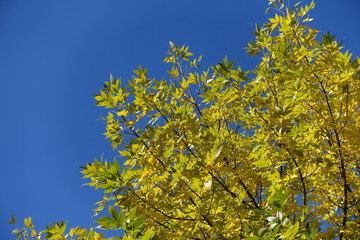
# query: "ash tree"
{"type": "Point", "coordinates": [270, 153]}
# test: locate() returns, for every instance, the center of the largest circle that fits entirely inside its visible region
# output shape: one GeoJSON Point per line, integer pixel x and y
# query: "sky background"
{"type": "Point", "coordinates": [55, 55]}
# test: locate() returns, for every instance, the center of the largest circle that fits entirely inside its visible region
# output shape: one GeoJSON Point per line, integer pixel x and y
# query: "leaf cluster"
{"type": "Point", "coordinates": [271, 153]}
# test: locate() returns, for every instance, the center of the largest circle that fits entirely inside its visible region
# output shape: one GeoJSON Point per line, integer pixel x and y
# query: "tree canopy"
{"type": "Point", "coordinates": [223, 153]}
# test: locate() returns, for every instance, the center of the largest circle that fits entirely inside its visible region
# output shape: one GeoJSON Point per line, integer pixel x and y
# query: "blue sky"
{"type": "Point", "coordinates": [55, 55]}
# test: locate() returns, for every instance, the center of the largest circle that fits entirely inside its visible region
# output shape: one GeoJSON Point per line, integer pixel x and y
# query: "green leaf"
{"type": "Point", "coordinates": [122, 218]}
{"type": "Point", "coordinates": [13, 219]}
{"type": "Point", "coordinates": [18, 236]}
{"type": "Point", "coordinates": [104, 221]}
{"type": "Point", "coordinates": [288, 233]}
{"type": "Point", "coordinates": [295, 228]}
{"type": "Point", "coordinates": [262, 231]}
{"type": "Point", "coordinates": [147, 235]}
{"type": "Point", "coordinates": [277, 204]}
{"type": "Point", "coordinates": [139, 221]}
{"type": "Point", "coordinates": [114, 214]}
{"type": "Point", "coordinates": [132, 214]}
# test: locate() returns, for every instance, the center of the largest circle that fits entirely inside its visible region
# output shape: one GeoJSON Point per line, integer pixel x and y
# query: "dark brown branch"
{"type": "Point", "coordinates": [194, 103]}
{"type": "Point", "coordinates": [177, 133]}
{"type": "Point", "coordinates": [331, 200]}
{"type": "Point", "coordinates": [197, 195]}
{"type": "Point", "coordinates": [316, 111]}
{"type": "Point", "coordinates": [227, 126]}
{"type": "Point", "coordinates": [252, 199]}
{"type": "Point", "coordinates": [204, 233]}
{"type": "Point", "coordinates": [345, 185]}
{"type": "Point", "coordinates": [144, 143]}
{"type": "Point", "coordinates": [327, 101]}
{"type": "Point", "coordinates": [158, 210]}
{"type": "Point", "coordinates": [162, 224]}
{"type": "Point", "coordinates": [292, 158]}
{"type": "Point", "coordinates": [301, 177]}
{"type": "Point", "coordinates": [157, 185]}
{"type": "Point", "coordinates": [356, 202]}
{"type": "Point", "coordinates": [223, 185]}
{"type": "Point", "coordinates": [206, 219]}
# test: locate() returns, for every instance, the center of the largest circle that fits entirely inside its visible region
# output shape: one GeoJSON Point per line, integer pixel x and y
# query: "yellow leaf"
{"type": "Point", "coordinates": [33, 233]}
{"type": "Point", "coordinates": [27, 222]}
{"type": "Point", "coordinates": [123, 112]}
{"type": "Point", "coordinates": [308, 19]}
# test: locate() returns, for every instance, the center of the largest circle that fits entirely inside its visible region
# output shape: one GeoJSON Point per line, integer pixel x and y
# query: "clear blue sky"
{"type": "Point", "coordinates": [54, 55]}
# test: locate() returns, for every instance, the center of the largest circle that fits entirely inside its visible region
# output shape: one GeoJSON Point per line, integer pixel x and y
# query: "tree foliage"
{"type": "Point", "coordinates": [271, 153]}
